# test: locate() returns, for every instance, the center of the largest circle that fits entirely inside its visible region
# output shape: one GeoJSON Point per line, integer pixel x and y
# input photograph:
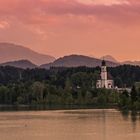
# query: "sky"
{"type": "Point", "coordinates": [63, 27]}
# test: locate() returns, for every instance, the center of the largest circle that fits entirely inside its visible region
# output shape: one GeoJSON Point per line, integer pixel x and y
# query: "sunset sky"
{"type": "Point", "coordinates": [63, 27]}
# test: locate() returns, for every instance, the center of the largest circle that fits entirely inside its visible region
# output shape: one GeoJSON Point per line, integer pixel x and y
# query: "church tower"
{"type": "Point", "coordinates": [106, 80]}
{"type": "Point", "coordinates": [104, 83]}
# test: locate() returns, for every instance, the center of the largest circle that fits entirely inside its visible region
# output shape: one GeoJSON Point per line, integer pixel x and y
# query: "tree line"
{"type": "Point", "coordinates": [68, 86]}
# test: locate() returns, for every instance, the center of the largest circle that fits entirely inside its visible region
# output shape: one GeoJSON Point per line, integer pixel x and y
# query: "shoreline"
{"type": "Point", "coordinates": [51, 107]}
{"type": "Point", "coordinates": [4, 108]}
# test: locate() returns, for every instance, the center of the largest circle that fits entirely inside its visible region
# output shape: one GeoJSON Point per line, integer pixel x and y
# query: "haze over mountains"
{"type": "Point", "coordinates": [12, 52]}
{"type": "Point", "coordinates": [22, 57]}
{"type": "Point", "coordinates": [77, 60]}
{"type": "Point", "coordinates": [24, 64]}
{"type": "Point", "coordinates": [109, 58]}
{"type": "Point", "coordinates": [135, 63]}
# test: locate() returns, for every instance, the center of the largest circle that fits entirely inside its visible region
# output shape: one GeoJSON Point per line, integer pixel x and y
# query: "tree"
{"type": "Point", "coordinates": [133, 94]}
{"type": "Point", "coordinates": [124, 100]}
{"type": "Point", "coordinates": [4, 99]}
{"type": "Point", "coordinates": [38, 89]}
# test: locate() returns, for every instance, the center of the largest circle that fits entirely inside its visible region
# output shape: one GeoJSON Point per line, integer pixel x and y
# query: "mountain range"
{"type": "Point", "coordinates": [12, 52]}
{"type": "Point", "coordinates": [109, 58]}
{"type": "Point", "coordinates": [77, 60]}
{"type": "Point", "coordinates": [22, 57]}
{"type": "Point", "coordinates": [135, 63]}
{"type": "Point", "coordinates": [24, 64]}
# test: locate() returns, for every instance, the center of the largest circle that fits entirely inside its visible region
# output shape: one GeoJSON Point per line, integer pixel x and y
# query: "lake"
{"type": "Point", "coordinates": [88, 124]}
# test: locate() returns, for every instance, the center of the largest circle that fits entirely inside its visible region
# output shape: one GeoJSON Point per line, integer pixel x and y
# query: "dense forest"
{"type": "Point", "coordinates": [68, 86]}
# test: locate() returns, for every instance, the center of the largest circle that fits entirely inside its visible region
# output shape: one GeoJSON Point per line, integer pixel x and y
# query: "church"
{"type": "Point", "coordinates": [105, 80]}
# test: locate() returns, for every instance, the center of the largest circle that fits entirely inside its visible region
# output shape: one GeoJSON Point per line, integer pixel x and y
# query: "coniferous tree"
{"type": "Point", "coordinates": [133, 94]}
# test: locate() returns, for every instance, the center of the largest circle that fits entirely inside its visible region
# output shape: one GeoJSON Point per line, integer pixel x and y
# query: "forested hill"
{"type": "Point", "coordinates": [68, 86]}
{"type": "Point", "coordinates": [125, 75]}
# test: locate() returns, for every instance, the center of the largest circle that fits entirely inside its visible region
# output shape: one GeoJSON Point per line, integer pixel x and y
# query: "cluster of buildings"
{"type": "Point", "coordinates": [106, 80]}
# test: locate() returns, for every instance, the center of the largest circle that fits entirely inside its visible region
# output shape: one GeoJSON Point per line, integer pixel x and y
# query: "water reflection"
{"type": "Point", "coordinates": [134, 116]}
{"type": "Point", "coordinates": [89, 124]}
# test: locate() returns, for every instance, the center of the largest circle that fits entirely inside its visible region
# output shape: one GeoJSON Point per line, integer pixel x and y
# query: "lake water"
{"type": "Point", "coordinates": [69, 125]}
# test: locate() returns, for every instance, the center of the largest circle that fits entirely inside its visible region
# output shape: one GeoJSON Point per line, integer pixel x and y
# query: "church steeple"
{"type": "Point", "coordinates": [104, 82]}
{"type": "Point", "coordinates": [104, 74]}
{"type": "Point", "coordinates": [103, 63]}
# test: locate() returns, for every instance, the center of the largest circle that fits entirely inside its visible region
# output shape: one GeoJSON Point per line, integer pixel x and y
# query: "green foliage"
{"type": "Point", "coordinates": [4, 91]}
{"type": "Point", "coordinates": [68, 86]}
{"type": "Point", "coordinates": [133, 94]}
{"type": "Point", "coordinates": [38, 90]}
{"type": "Point", "coordinates": [124, 100]}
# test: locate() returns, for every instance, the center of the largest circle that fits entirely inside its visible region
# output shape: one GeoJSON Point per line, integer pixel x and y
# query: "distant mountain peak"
{"type": "Point", "coordinates": [135, 63]}
{"type": "Point", "coordinates": [109, 58]}
{"type": "Point", "coordinates": [76, 61]}
{"type": "Point", "coordinates": [13, 52]}
{"type": "Point", "coordinates": [24, 64]}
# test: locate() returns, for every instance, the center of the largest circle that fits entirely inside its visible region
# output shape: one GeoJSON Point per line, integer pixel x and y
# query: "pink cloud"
{"type": "Point", "coordinates": [4, 25]}
{"type": "Point", "coordinates": [37, 11]}
{"type": "Point", "coordinates": [71, 26]}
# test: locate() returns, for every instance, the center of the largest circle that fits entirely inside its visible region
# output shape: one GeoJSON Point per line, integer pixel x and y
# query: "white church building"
{"type": "Point", "coordinates": [105, 80]}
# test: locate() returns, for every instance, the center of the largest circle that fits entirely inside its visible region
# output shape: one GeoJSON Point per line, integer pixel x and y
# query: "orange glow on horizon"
{"type": "Point", "coordinates": [63, 27]}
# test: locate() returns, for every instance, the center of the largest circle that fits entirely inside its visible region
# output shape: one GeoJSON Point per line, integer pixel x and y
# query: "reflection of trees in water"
{"type": "Point", "coordinates": [125, 114]}
{"type": "Point", "coordinates": [134, 116]}
{"type": "Point", "coordinates": [131, 115]}
{"type": "Point", "coordinates": [104, 124]}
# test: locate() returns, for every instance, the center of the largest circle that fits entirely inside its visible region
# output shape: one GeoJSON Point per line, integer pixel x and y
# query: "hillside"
{"type": "Point", "coordinates": [109, 58]}
{"type": "Point", "coordinates": [77, 60]}
{"type": "Point", "coordinates": [12, 52]}
{"type": "Point", "coordinates": [24, 64]}
{"type": "Point", "coordinates": [112, 59]}
{"type": "Point", "coordinates": [134, 63]}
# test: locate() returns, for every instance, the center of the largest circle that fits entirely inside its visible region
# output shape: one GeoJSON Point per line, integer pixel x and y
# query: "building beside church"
{"type": "Point", "coordinates": [105, 80]}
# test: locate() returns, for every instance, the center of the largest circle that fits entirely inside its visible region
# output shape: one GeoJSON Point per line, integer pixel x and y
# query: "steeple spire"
{"type": "Point", "coordinates": [104, 82]}
{"type": "Point", "coordinates": [103, 63]}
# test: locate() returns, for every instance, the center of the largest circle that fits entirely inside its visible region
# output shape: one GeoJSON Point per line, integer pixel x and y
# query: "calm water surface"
{"type": "Point", "coordinates": [69, 125]}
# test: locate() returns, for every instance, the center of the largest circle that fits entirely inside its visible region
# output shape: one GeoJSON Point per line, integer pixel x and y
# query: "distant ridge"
{"type": "Point", "coordinates": [112, 59]}
{"type": "Point", "coordinates": [76, 61]}
{"type": "Point", "coordinates": [134, 63]}
{"type": "Point", "coordinates": [109, 58]}
{"type": "Point", "coordinates": [20, 56]}
{"type": "Point", "coordinates": [24, 64]}
{"type": "Point", "coordinates": [12, 52]}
